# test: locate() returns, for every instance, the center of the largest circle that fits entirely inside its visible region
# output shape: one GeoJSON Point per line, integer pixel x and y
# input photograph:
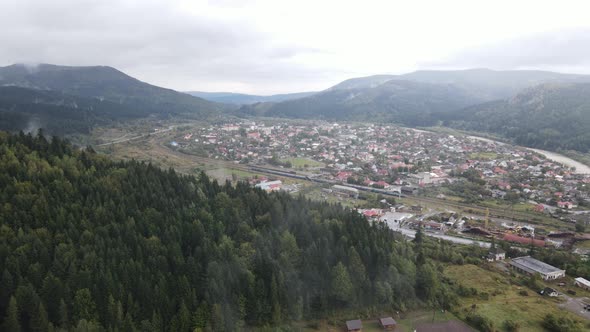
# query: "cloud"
{"type": "Point", "coordinates": [562, 50]}
{"type": "Point", "coordinates": [269, 46]}
{"type": "Point", "coordinates": [164, 44]}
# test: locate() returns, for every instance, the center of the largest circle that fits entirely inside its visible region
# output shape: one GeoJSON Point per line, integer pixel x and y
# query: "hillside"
{"type": "Point", "coordinates": [58, 113]}
{"type": "Point", "coordinates": [86, 242]}
{"type": "Point", "coordinates": [106, 84]}
{"type": "Point", "coordinates": [363, 82]}
{"type": "Point", "coordinates": [240, 98]}
{"type": "Point", "coordinates": [411, 103]}
{"type": "Point", "coordinates": [548, 116]}
{"type": "Point", "coordinates": [489, 84]}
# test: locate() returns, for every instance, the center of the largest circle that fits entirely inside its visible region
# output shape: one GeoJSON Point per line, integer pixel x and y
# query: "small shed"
{"type": "Point", "coordinates": [354, 325]}
{"type": "Point", "coordinates": [388, 323]}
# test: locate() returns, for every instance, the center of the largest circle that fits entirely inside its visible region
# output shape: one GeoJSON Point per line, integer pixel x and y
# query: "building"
{"type": "Point", "coordinates": [396, 216]}
{"type": "Point", "coordinates": [582, 283]}
{"type": "Point", "coordinates": [529, 265]}
{"type": "Point", "coordinates": [270, 185]}
{"type": "Point", "coordinates": [354, 325]}
{"type": "Point", "coordinates": [548, 291]}
{"type": "Point", "coordinates": [345, 191]}
{"type": "Point", "coordinates": [388, 323]}
{"type": "Point", "coordinates": [496, 254]}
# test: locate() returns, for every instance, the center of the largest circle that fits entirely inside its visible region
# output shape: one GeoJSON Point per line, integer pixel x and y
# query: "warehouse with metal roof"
{"type": "Point", "coordinates": [529, 265]}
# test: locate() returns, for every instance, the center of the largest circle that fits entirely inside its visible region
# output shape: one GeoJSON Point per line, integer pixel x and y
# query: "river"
{"type": "Point", "coordinates": [567, 161]}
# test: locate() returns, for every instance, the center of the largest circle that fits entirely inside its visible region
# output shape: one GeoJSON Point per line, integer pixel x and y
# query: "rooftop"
{"type": "Point", "coordinates": [583, 281]}
{"type": "Point", "coordinates": [354, 324]}
{"type": "Point", "coordinates": [387, 321]}
{"type": "Point", "coordinates": [533, 264]}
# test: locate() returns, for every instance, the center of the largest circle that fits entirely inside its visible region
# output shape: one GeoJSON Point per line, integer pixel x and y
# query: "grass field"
{"type": "Point", "coordinates": [504, 300]}
{"type": "Point", "coordinates": [302, 162]}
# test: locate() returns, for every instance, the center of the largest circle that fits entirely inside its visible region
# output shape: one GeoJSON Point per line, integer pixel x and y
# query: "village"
{"type": "Point", "coordinates": [506, 200]}
{"type": "Point", "coordinates": [347, 160]}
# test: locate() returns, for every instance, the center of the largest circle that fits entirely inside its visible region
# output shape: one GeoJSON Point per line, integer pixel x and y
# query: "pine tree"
{"type": "Point", "coordinates": [342, 288]}
{"type": "Point", "coordinates": [40, 321]}
{"type": "Point", "coordinates": [274, 300]}
{"type": "Point", "coordinates": [64, 320]}
{"type": "Point", "coordinates": [11, 322]}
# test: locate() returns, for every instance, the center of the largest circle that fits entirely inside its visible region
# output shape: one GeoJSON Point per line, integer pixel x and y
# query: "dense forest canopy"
{"type": "Point", "coordinates": [89, 243]}
{"type": "Point", "coordinates": [548, 116]}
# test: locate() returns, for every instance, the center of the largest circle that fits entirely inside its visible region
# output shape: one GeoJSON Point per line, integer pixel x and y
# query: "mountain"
{"type": "Point", "coordinates": [395, 100]}
{"type": "Point", "coordinates": [58, 113]}
{"type": "Point", "coordinates": [94, 85]}
{"type": "Point", "coordinates": [242, 99]}
{"type": "Point", "coordinates": [363, 82]}
{"type": "Point", "coordinates": [420, 98]}
{"type": "Point", "coordinates": [492, 84]}
{"type": "Point", "coordinates": [552, 116]}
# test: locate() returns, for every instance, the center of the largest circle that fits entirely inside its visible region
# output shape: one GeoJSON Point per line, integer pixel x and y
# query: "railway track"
{"type": "Point", "coordinates": [472, 208]}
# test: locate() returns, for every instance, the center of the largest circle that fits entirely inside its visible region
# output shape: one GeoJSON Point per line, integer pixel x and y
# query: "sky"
{"type": "Point", "coordinates": [268, 47]}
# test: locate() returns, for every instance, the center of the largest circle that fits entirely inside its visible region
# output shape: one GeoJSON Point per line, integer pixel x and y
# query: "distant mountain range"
{"type": "Point", "coordinates": [534, 108]}
{"type": "Point", "coordinates": [462, 99]}
{"type": "Point", "coordinates": [82, 97]}
{"type": "Point", "coordinates": [482, 84]}
{"type": "Point", "coordinates": [244, 99]}
{"type": "Point", "coordinates": [393, 101]}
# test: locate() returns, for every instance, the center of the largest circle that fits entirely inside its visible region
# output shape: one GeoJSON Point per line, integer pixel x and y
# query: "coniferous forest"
{"type": "Point", "coordinates": [87, 243]}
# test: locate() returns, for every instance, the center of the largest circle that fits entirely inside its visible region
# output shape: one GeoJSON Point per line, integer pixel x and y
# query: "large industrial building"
{"type": "Point", "coordinates": [529, 265]}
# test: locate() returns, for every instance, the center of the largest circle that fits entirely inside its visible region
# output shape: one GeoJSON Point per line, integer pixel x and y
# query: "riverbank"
{"type": "Point", "coordinates": [580, 167]}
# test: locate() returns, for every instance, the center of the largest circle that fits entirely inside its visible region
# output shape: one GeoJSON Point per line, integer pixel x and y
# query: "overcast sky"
{"type": "Point", "coordinates": [273, 46]}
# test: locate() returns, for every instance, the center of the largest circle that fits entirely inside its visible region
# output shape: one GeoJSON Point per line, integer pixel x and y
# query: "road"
{"type": "Point", "coordinates": [575, 305]}
{"type": "Point", "coordinates": [395, 226]}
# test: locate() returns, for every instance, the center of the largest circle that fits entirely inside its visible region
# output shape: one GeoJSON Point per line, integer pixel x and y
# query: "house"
{"type": "Point", "coordinates": [565, 205]}
{"type": "Point", "coordinates": [548, 291]}
{"type": "Point", "coordinates": [354, 325]}
{"type": "Point", "coordinates": [582, 283]}
{"type": "Point", "coordinates": [529, 265]}
{"type": "Point", "coordinates": [388, 323]}
{"type": "Point", "coordinates": [496, 254]}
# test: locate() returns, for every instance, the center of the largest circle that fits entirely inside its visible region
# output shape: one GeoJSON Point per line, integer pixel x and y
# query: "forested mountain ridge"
{"type": "Point", "coordinates": [400, 101]}
{"type": "Point", "coordinates": [415, 98]}
{"type": "Point", "coordinates": [488, 85]}
{"type": "Point", "coordinates": [58, 113]}
{"type": "Point", "coordinates": [549, 116]}
{"type": "Point", "coordinates": [124, 97]}
{"type": "Point", "coordinates": [88, 243]}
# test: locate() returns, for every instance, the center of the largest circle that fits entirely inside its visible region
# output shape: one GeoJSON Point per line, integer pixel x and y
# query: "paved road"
{"type": "Point", "coordinates": [576, 305]}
